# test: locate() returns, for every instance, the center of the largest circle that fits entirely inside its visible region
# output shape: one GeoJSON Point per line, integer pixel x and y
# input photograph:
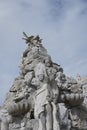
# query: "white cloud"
{"type": "Point", "coordinates": [62, 27]}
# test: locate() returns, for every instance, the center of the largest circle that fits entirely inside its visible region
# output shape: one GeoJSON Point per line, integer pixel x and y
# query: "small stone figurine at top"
{"type": "Point", "coordinates": [42, 97]}
{"type": "Point", "coordinates": [32, 39]}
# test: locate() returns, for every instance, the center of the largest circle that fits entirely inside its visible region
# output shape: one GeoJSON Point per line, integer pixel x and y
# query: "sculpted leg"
{"type": "Point", "coordinates": [49, 117]}
{"type": "Point", "coordinates": [42, 121]}
{"type": "Point", "coordinates": [55, 118]}
{"type": "Point", "coordinates": [4, 125]}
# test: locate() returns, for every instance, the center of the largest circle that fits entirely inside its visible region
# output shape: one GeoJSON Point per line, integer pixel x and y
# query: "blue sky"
{"type": "Point", "coordinates": [62, 24]}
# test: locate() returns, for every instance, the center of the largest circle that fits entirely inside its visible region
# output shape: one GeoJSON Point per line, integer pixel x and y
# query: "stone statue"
{"type": "Point", "coordinates": [32, 39]}
{"type": "Point", "coordinates": [51, 72]}
{"type": "Point", "coordinates": [43, 108]}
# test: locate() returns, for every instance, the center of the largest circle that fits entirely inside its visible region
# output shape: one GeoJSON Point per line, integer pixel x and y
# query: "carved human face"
{"type": "Point", "coordinates": [48, 61]}
{"type": "Point", "coordinates": [35, 41]}
{"type": "Point", "coordinates": [61, 76]}
{"type": "Point", "coordinates": [41, 77]}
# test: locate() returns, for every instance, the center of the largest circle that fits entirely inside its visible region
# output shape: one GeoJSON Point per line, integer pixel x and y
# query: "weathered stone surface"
{"type": "Point", "coordinates": [42, 97]}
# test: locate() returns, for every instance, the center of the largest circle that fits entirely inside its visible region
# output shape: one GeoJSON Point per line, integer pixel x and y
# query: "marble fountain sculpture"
{"type": "Point", "coordinates": [42, 97]}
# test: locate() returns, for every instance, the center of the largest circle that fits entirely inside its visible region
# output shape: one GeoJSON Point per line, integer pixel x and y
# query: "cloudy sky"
{"type": "Point", "coordinates": [62, 24]}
